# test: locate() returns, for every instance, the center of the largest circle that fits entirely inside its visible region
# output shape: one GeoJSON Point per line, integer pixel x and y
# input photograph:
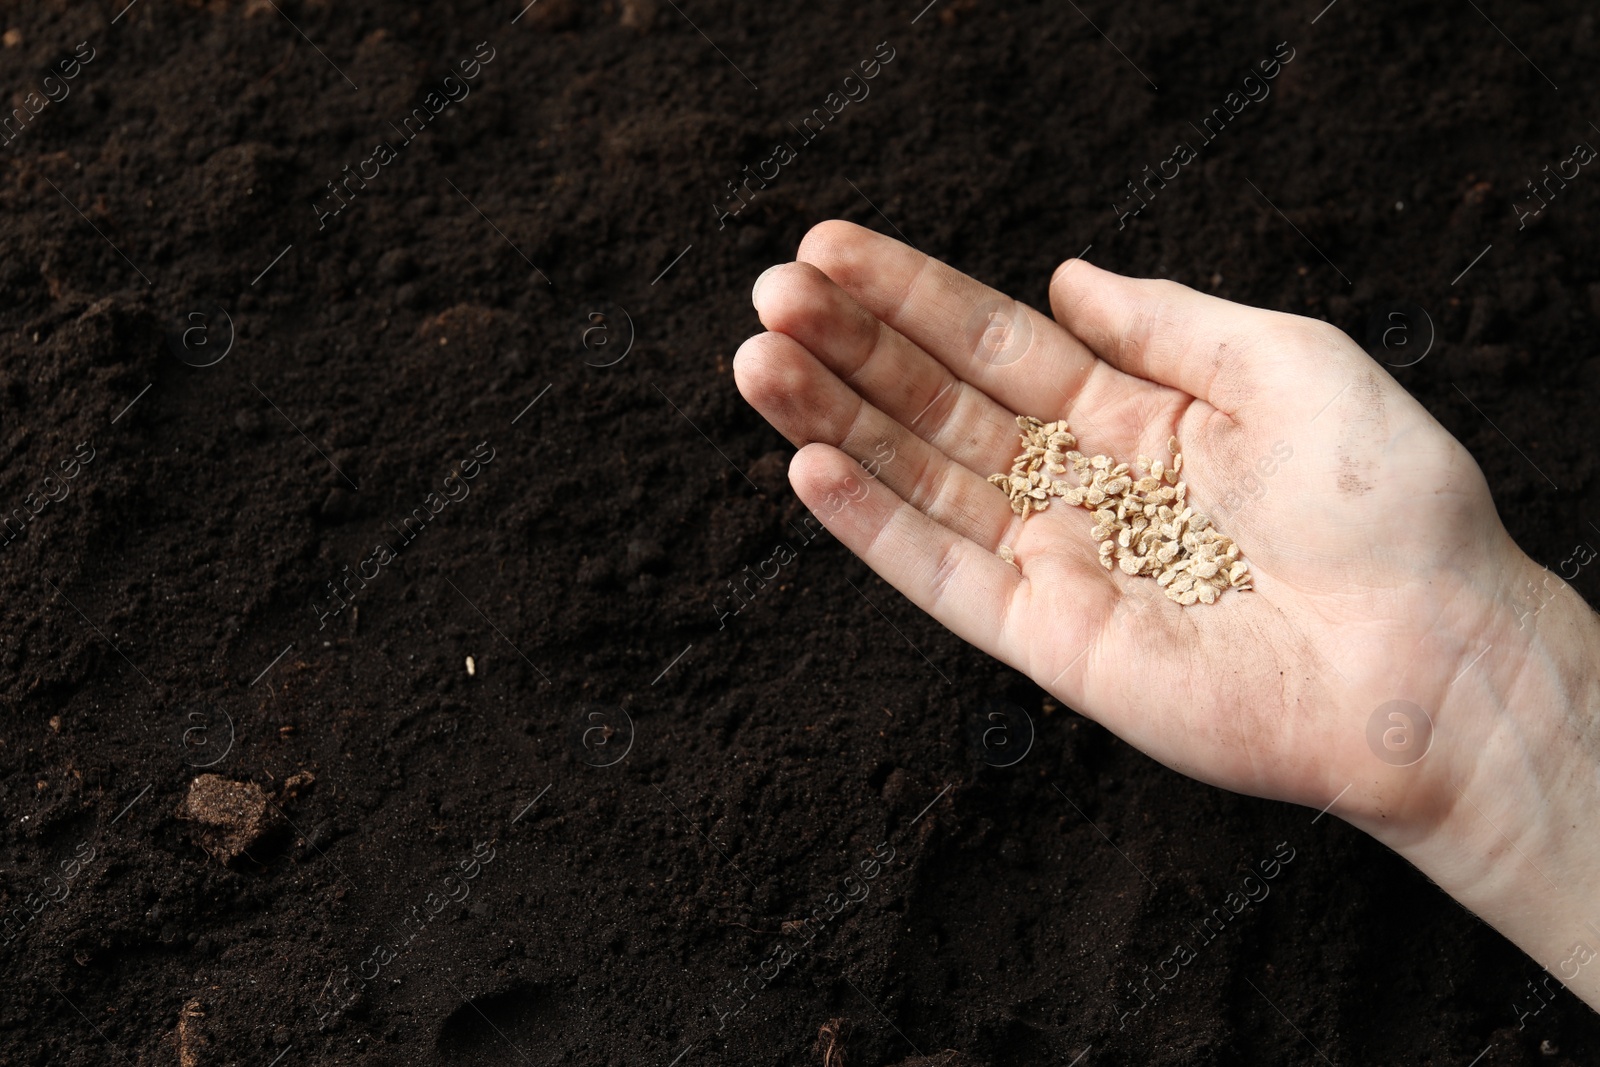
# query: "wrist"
{"type": "Point", "coordinates": [1517, 780]}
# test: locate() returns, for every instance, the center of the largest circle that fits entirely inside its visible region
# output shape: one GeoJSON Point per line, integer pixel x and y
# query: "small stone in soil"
{"type": "Point", "coordinates": [229, 816]}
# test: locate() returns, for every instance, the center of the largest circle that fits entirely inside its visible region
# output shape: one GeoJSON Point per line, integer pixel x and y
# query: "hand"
{"type": "Point", "coordinates": [1363, 521]}
{"type": "Point", "coordinates": [1381, 569]}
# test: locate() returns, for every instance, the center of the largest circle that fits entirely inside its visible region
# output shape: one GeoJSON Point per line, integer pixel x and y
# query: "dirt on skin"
{"type": "Point", "coordinates": [468, 282]}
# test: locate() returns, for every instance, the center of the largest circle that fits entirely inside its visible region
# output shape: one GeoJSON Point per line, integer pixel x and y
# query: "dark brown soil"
{"type": "Point", "coordinates": [462, 881]}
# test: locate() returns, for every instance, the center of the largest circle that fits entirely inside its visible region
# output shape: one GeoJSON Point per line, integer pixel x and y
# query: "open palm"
{"type": "Point", "coordinates": [1376, 551]}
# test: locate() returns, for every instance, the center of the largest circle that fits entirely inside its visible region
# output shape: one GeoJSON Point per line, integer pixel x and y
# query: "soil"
{"type": "Point", "coordinates": [582, 849]}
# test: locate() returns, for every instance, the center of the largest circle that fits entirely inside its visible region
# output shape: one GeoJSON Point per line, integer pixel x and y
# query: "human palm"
{"type": "Point", "coordinates": [1376, 552]}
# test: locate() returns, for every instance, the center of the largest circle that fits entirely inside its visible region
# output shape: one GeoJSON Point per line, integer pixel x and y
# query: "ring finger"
{"type": "Point", "coordinates": [808, 403]}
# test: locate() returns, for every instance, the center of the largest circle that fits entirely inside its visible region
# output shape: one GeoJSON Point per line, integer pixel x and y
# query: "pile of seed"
{"type": "Point", "coordinates": [1142, 521]}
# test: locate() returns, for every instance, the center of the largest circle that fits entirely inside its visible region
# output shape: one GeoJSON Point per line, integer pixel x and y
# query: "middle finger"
{"type": "Point", "coordinates": [888, 369]}
{"type": "Point", "coordinates": [807, 403]}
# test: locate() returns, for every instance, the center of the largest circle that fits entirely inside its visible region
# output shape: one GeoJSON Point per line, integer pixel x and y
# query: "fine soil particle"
{"type": "Point", "coordinates": [339, 418]}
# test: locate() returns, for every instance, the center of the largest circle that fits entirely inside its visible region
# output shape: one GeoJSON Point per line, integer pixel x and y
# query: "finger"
{"type": "Point", "coordinates": [1013, 353]}
{"type": "Point", "coordinates": [971, 591]}
{"type": "Point", "coordinates": [896, 376]}
{"type": "Point", "coordinates": [1169, 334]}
{"type": "Point", "coordinates": [806, 402]}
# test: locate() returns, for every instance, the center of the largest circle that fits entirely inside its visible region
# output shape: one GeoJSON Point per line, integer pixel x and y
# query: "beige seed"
{"type": "Point", "coordinates": [1143, 523]}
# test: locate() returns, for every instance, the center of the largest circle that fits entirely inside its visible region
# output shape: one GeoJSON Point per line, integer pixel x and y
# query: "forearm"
{"type": "Point", "coordinates": [1520, 846]}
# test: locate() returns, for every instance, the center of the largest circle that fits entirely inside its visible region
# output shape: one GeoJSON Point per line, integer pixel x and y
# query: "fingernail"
{"type": "Point", "coordinates": [755, 290]}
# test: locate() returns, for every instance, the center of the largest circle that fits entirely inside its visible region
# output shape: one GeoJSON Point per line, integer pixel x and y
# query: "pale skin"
{"type": "Point", "coordinates": [1382, 571]}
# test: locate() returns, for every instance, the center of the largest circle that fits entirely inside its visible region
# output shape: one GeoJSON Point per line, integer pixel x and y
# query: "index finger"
{"type": "Point", "coordinates": [1016, 355]}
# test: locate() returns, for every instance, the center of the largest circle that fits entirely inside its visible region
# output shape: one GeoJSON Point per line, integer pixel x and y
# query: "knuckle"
{"type": "Point", "coordinates": [944, 573]}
